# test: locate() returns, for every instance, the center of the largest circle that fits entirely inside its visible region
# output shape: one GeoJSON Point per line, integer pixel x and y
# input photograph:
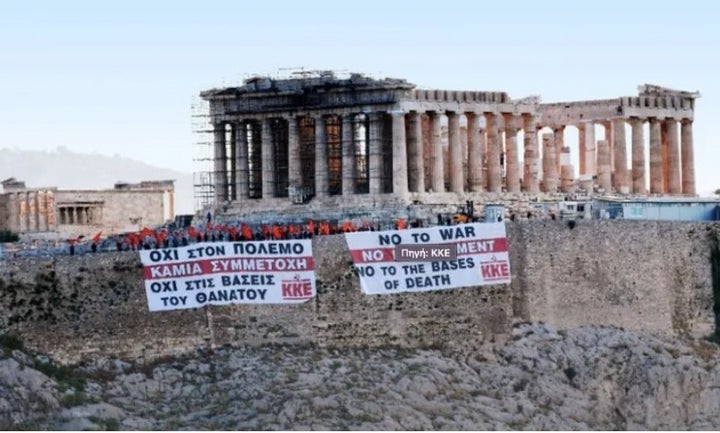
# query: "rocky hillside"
{"type": "Point", "coordinates": [588, 378]}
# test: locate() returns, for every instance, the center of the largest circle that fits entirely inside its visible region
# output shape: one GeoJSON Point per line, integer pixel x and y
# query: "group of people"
{"type": "Point", "coordinates": [238, 232]}
{"type": "Point", "coordinates": [241, 231]}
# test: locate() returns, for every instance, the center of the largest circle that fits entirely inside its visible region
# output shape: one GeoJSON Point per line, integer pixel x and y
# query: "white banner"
{"type": "Point", "coordinates": [222, 273]}
{"type": "Point", "coordinates": [480, 253]}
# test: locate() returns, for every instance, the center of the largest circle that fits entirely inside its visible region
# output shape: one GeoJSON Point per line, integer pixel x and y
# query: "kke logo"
{"type": "Point", "coordinates": [297, 288]}
{"type": "Point", "coordinates": [495, 270]}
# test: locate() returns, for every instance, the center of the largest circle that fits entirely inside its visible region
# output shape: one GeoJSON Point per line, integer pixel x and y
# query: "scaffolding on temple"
{"type": "Point", "coordinates": [203, 154]}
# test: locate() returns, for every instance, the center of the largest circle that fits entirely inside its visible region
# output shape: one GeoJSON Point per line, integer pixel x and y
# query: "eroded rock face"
{"type": "Point", "coordinates": [587, 378]}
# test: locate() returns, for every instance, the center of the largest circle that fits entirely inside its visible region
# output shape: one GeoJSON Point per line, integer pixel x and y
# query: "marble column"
{"type": "Point", "coordinates": [582, 148]}
{"type": "Point", "coordinates": [13, 211]}
{"type": "Point", "coordinates": [399, 154]}
{"type": "Point", "coordinates": [41, 216]}
{"type": "Point", "coordinates": [42, 210]}
{"type": "Point", "coordinates": [455, 153]}
{"type": "Point", "coordinates": [243, 167]}
{"type": "Point", "coordinates": [232, 165]}
{"type": "Point", "coordinates": [294, 169]}
{"type": "Point", "coordinates": [688, 157]}
{"type": "Point", "coordinates": [348, 155]}
{"type": "Point", "coordinates": [438, 170]}
{"type": "Point", "coordinates": [220, 163]}
{"type": "Point", "coordinates": [493, 154]}
{"type": "Point", "coordinates": [604, 166]}
{"type": "Point", "coordinates": [512, 163]}
{"type": "Point", "coordinates": [415, 152]}
{"type": "Point", "coordinates": [550, 176]}
{"type": "Point", "coordinates": [590, 149]}
{"type": "Point", "coordinates": [23, 223]}
{"type": "Point", "coordinates": [567, 171]}
{"type": "Point", "coordinates": [620, 156]}
{"type": "Point", "coordinates": [530, 159]}
{"type": "Point", "coordinates": [375, 153]}
{"type": "Point", "coordinates": [321, 160]}
{"type": "Point", "coordinates": [656, 157]}
{"type": "Point", "coordinates": [674, 183]}
{"type": "Point", "coordinates": [609, 140]}
{"type": "Point", "coordinates": [475, 156]}
{"type": "Point", "coordinates": [638, 157]}
{"type": "Point", "coordinates": [482, 131]}
{"type": "Point", "coordinates": [559, 137]}
{"type": "Point", "coordinates": [32, 212]}
{"type": "Point", "coordinates": [268, 159]}
{"type": "Point", "coordinates": [665, 157]}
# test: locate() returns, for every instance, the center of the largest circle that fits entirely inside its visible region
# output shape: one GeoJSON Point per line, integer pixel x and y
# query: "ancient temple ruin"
{"type": "Point", "coordinates": [320, 138]}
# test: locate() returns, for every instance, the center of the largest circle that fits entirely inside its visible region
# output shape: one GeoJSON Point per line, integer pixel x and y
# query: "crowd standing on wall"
{"type": "Point", "coordinates": [238, 231]}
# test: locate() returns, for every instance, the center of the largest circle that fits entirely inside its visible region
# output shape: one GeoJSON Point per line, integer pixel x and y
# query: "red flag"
{"type": "Point", "coordinates": [96, 238]}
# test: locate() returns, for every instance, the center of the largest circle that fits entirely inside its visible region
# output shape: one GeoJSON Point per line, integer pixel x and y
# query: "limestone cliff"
{"type": "Point", "coordinates": [541, 378]}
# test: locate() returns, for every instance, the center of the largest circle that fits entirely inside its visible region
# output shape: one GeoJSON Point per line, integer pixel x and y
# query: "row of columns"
{"type": "Point", "coordinates": [484, 157]}
{"type": "Point", "coordinates": [31, 211]}
{"type": "Point", "coordinates": [606, 159]}
{"type": "Point", "coordinates": [408, 154]}
{"type": "Point", "coordinates": [239, 163]}
{"type": "Point", "coordinates": [672, 165]}
{"type": "Point", "coordinates": [79, 215]}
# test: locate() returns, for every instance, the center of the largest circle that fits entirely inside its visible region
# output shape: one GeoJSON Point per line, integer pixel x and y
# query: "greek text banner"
{"type": "Point", "coordinates": [222, 273]}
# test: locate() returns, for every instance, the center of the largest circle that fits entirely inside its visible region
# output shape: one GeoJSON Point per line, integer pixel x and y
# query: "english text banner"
{"type": "Point", "coordinates": [434, 258]}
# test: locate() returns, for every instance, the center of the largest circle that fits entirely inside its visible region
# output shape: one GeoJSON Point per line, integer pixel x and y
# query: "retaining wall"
{"type": "Point", "coordinates": [647, 276]}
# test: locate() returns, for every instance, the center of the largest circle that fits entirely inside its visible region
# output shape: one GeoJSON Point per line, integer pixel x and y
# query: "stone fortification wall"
{"type": "Point", "coordinates": [639, 275]}
{"type": "Point", "coordinates": [646, 276]}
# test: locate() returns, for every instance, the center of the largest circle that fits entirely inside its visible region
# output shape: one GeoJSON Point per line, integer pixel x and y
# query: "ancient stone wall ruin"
{"type": "Point", "coordinates": [647, 276]}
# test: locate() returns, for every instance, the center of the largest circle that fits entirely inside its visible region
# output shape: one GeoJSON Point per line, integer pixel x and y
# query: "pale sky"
{"type": "Point", "coordinates": [119, 78]}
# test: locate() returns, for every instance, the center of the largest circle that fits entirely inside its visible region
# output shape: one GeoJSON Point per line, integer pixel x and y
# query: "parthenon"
{"type": "Point", "coordinates": [319, 136]}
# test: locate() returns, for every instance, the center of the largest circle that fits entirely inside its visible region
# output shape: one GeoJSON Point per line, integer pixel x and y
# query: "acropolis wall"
{"type": "Point", "coordinates": [645, 276]}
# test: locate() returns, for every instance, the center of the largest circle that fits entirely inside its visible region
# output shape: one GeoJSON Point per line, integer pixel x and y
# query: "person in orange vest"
{"type": "Point", "coordinates": [247, 232]}
{"type": "Point", "coordinates": [346, 227]}
{"type": "Point", "coordinates": [133, 241]}
{"type": "Point", "coordinates": [291, 231]}
{"type": "Point", "coordinates": [266, 231]}
{"type": "Point", "coordinates": [311, 228]}
{"type": "Point", "coordinates": [400, 224]}
{"type": "Point", "coordinates": [277, 232]}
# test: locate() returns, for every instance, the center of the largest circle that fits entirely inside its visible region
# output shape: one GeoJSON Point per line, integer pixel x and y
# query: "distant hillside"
{"type": "Point", "coordinates": [68, 170]}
